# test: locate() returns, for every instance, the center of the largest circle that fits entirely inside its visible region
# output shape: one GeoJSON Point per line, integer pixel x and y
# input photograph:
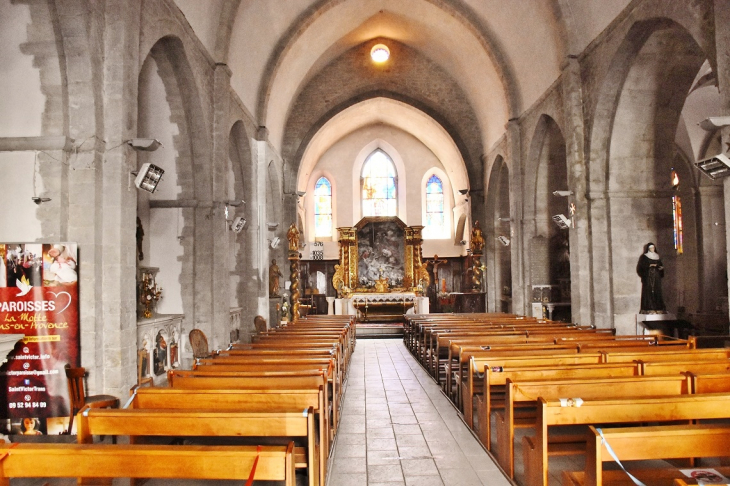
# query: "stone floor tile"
{"type": "Point", "coordinates": [348, 479]}
{"type": "Point", "coordinates": [406, 429]}
{"type": "Point", "coordinates": [376, 458]}
{"type": "Point", "coordinates": [418, 467]}
{"type": "Point", "coordinates": [459, 477]}
{"type": "Point", "coordinates": [377, 444]}
{"type": "Point", "coordinates": [380, 432]}
{"type": "Point", "coordinates": [385, 473]}
{"type": "Point", "coordinates": [410, 440]}
{"type": "Point", "coordinates": [351, 465]}
{"type": "Point", "coordinates": [424, 481]}
{"type": "Point", "coordinates": [350, 439]}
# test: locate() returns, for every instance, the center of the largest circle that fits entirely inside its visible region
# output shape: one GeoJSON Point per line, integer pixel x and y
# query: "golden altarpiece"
{"type": "Point", "coordinates": [381, 274]}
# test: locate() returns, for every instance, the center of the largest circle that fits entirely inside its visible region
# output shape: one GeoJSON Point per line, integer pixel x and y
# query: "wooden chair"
{"type": "Point", "coordinates": [260, 324]}
{"type": "Point", "coordinates": [199, 343]}
{"type": "Point", "coordinates": [78, 397]}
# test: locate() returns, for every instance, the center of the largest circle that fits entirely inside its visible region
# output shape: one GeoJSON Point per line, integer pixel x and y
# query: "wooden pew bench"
{"type": "Point", "coordinates": [495, 380]}
{"type": "Point", "coordinates": [219, 380]}
{"type": "Point", "coordinates": [242, 400]}
{"type": "Point", "coordinates": [527, 392]}
{"type": "Point", "coordinates": [478, 363]}
{"type": "Point", "coordinates": [135, 423]}
{"type": "Point", "coordinates": [682, 408]}
{"type": "Point", "coordinates": [645, 443]}
{"type": "Point", "coordinates": [23, 460]}
{"type": "Point", "coordinates": [280, 367]}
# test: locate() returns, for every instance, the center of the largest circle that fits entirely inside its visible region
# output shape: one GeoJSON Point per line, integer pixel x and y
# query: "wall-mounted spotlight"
{"type": "Point", "coordinates": [301, 193]}
{"type": "Point", "coordinates": [562, 193]}
{"type": "Point", "coordinates": [504, 240]}
{"type": "Point", "coordinates": [562, 221]}
{"type": "Point", "coordinates": [715, 167]}
{"type": "Point", "coordinates": [462, 242]}
{"type": "Point", "coordinates": [39, 200]}
{"type": "Point", "coordinates": [144, 144]}
{"type": "Point", "coordinates": [235, 203]}
{"type": "Point", "coordinates": [238, 224]}
{"type": "Point", "coordinates": [275, 242]}
{"type": "Point", "coordinates": [272, 226]}
{"type": "Point", "coordinates": [148, 176]}
{"type": "Point", "coordinates": [463, 191]}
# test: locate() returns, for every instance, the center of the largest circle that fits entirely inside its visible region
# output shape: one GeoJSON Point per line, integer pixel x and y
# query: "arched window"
{"type": "Point", "coordinates": [677, 215]}
{"type": "Point", "coordinates": [435, 221]}
{"type": "Point", "coordinates": [323, 208]}
{"type": "Point", "coordinates": [378, 181]}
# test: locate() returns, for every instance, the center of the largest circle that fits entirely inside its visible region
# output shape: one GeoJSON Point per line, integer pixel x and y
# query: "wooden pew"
{"type": "Point", "coordinates": [478, 364]}
{"type": "Point", "coordinates": [23, 460]}
{"type": "Point", "coordinates": [496, 380]}
{"type": "Point", "coordinates": [649, 368]}
{"type": "Point", "coordinates": [221, 380]}
{"type": "Point", "coordinates": [279, 367]}
{"type": "Point", "coordinates": [240, 400]}
{"type": "Point", "coordinates": [207, 423]}
{"type": "Point", "coordinates": [591, 388]}
{"type": "Point", "coordinates": [645, 443]}
{"type": "Point", "coordinates": [680, 408]}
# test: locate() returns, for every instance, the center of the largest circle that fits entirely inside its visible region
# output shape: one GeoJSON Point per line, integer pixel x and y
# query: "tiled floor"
{"type": "Point", "coordinates": [398, 429]}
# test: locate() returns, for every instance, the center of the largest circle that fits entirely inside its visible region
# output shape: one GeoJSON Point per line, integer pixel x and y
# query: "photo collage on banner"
{"type": "Point", "coordinates": [38, 299]}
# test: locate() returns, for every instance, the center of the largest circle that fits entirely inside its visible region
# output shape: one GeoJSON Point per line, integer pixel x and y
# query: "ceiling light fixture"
{"type": "Point", "coordinates": [380, 53]}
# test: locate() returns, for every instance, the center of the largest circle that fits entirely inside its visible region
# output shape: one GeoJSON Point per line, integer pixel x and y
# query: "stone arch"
{"type": "Point", "coordinates": [240, 181]}
{"type": "Point", "coordinates": [547, 259]}
{"type": "Point", "coordinates": [293, 158]}
{"type": "Point", "coordinates": [631, 147]}
{"type": "Point", "coordinates": [186, 160]}
{"type": "Point", "coordinates": [497, 250]}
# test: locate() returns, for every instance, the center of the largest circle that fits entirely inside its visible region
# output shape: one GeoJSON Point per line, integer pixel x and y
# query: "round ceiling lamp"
{"type": "Point", "coordinates": [380, 53]}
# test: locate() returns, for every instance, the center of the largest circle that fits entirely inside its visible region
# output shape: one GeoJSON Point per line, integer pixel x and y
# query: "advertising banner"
{"type": "Point", "coordinates": [39, 299]}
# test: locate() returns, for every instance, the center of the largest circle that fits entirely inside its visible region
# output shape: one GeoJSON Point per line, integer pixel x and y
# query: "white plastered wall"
{"type": "Point", "coordinates": [21, 115]}
{"type": "Point", "coordinates": [162, 226]}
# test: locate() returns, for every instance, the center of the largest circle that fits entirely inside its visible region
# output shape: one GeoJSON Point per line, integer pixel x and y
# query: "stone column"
{"type": "Point", "coordinates": [722, 41]}
{"type": "Point", "coordinates": [580, 261]}
{"type": "Point", "coordinates": [520, 294]}
{"type": "Point", "coordinates": [221, 250]}
{"type": "Point", "coordinates": [115, 336]}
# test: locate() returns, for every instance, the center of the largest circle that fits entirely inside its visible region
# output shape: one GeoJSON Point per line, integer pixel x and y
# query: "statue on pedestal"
{"type": "Point", "coordinates": [651, 271]}
{"type": "Point", "coordinates": [293, 236]}
{"type": "Point", "coordinates": [274, 275]}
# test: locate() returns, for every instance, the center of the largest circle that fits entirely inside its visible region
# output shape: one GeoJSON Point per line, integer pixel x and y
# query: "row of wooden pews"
{"type": "Point", "coordinates": [507, 373]}
{"type": "Point", "coordinates": [263, 411]}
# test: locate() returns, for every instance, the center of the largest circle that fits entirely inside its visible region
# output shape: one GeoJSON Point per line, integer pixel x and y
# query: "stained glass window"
{"type": "Point", "coordinates": [323, 208]}
{"type": "Point", "coordinates": [435, 221]}
{"type": "Point", "coordinates": [378, 185]}
{"type": "Point", "coordinates": [677, 216]}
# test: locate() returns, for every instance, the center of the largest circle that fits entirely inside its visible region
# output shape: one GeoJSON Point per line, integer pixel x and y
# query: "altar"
{"type": "Point", "coordinates": [381, 275]}
{"type": "Point", "coordinates": [383, 307]}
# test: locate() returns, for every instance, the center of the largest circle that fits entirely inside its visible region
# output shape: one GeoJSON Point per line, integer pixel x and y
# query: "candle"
{"type": "Point", "coordinates": [443, 285]}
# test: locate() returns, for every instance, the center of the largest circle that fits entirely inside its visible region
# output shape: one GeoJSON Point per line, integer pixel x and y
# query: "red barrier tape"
{"type": "Point", "coordinates": [253, 469]}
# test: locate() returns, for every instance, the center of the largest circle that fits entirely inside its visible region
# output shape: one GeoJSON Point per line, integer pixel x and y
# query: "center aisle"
{"type": "Point", "coordinates": [397, 427]}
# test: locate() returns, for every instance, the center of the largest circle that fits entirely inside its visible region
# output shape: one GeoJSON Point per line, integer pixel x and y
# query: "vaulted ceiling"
{"type": "Point", "coordinates": [503, 55]}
